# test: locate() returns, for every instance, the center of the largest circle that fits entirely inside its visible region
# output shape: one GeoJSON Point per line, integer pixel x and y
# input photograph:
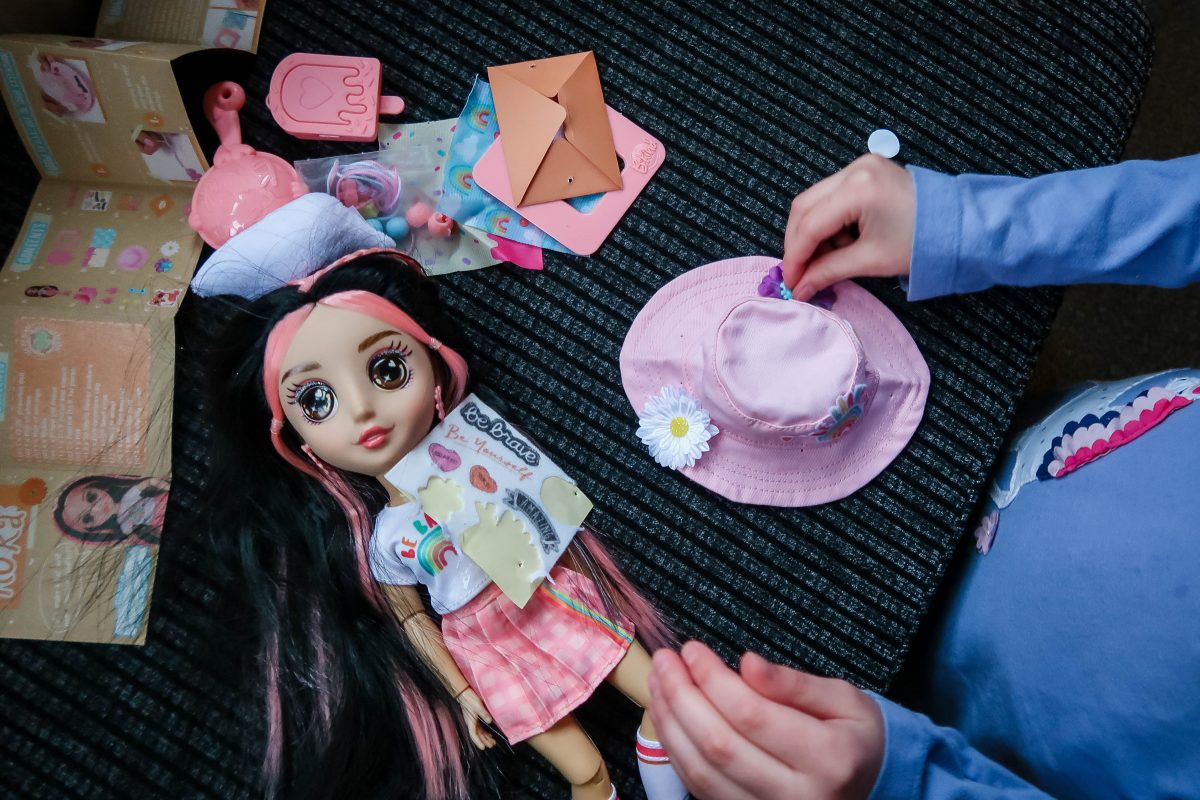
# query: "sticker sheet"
{"type": "Point", "coordinates": [513, 510]}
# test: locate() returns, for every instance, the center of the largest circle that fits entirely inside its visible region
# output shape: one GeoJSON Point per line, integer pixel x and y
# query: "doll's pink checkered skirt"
{"type": "Point", "coordinates": [533, 666]}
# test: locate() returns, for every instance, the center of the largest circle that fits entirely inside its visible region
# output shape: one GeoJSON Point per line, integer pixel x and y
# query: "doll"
{"type": "Point", "coordinates": [322, 386]}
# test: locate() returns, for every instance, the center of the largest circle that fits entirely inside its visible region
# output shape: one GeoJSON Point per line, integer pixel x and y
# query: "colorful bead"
{"type": "Point", "coordinates": [396, 227]}
{"type": "Point", "coordinates": [418, 214]}
{"type": "Point", "coordinates": [441, 225]}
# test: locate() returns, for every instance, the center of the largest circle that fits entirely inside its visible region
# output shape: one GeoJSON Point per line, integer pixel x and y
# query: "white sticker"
{"type": "Point", "coordinates": [884, 143]}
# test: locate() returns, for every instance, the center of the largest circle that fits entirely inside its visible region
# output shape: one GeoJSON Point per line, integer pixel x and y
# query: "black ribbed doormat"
{"type": "Point", "coordinates": [753, 102]}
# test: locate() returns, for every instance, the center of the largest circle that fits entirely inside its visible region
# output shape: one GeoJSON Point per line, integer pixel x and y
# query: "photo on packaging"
{"type": "Point", "coordinates": [169, 156]}
{"type": "Point", "coordinates": [66, 88]}
{"type": "Point", "coordinates": [230, 27]}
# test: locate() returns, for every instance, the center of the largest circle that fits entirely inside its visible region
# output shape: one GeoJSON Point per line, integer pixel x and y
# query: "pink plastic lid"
{"type": "Point", "coordinates": [330, 97]}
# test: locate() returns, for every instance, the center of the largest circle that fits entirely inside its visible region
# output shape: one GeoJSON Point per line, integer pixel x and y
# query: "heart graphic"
{"type": "Point", "coordinates": [482, 480]}
{"type": "Point", "coordinates": [446, 459]}
{"type": "Point", "coordinates": [313, 93]}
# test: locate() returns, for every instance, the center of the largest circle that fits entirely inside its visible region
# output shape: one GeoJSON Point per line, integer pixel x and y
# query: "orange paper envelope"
{"type": "Point", "coordinates": [534, 100]}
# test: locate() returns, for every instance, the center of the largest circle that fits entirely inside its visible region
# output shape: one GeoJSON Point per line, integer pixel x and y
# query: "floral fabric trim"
{"type": "Point", "coordinates": [772, 286]}
{"type": "Point", "coordinates": [1089, 438]}
{"type": "Point", "coordinates": [1092, 437]}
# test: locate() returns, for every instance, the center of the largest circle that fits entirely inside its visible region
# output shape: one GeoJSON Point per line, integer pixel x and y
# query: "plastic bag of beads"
{"type": "Point", "coordinates": [380, 186]}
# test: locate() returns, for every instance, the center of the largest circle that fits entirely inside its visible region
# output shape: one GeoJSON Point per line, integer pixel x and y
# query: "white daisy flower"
{"type": "Point", "coordinates": [675, 428]}
{"type": "Point", "coordinates": [170, 248]}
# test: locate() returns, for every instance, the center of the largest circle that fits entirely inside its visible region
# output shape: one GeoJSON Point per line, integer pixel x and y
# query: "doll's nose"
{"type": "Point", "coordinates": [359, 404]}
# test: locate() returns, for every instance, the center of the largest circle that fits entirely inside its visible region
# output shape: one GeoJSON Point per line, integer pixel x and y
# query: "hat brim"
{"type": "Point", "coordinates": [805, 471]}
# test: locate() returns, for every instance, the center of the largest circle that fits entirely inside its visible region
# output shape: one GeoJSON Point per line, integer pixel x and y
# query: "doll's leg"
{"type": "Point", "coordinates": [631, 677]}
{"type": "Point", "coordinates": [571, 751]}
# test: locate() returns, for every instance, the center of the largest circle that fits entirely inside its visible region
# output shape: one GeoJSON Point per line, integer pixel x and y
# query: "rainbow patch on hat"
{"type": "Point", "coordinates": [434, 549]}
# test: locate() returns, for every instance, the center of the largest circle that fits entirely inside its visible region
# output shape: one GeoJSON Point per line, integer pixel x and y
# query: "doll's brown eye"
{"type": "Point", "coordinates": [389, 370]}
{"type": "Point", "coordinates": [317, 401]}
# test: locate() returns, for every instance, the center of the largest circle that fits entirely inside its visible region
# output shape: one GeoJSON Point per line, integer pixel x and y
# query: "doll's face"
{"type": "Point", "coordinates": [359, 392]}
{"type": "Point", "coordinates": [87, 507]}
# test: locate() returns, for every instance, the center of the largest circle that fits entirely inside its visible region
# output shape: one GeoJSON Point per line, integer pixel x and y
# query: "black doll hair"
{"type": "Point", "coordinates": [352, 709]}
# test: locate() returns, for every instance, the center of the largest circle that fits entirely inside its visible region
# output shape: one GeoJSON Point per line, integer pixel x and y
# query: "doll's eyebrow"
{"type": "Point", "coordinates": [370, 340]}
{"type": "Point", "coordinates": [299, 368]}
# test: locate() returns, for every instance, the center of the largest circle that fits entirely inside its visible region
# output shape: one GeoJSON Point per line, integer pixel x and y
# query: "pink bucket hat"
{"type": "Point", "coordinates": [771, 401]}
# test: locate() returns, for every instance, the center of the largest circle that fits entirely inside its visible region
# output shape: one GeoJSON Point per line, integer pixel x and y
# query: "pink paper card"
{"type": "Point", "coordinates": [580, 231]}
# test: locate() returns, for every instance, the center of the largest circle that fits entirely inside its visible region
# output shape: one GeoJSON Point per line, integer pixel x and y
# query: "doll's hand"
{"type": "Point", "coordinates": [857, 222]}
{"type": "Point", "coordinates": [477, 717]}
{"type": "Point", "coordinates": [769, 732]}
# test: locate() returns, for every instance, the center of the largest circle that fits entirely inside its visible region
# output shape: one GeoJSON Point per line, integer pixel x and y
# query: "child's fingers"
{"type": "Point", "coordinates": [787, 734]}
{"type": "Point", "coordinates": [835, 265]}
{"type": "Point", "coordinates": [838, 211]}
{"type": "Point", "coordinates": [823, 698]}
{"type": "Point", "coordinates": [714, 760]}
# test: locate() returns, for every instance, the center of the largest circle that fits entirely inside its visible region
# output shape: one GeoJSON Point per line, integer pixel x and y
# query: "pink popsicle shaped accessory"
{"type": "Point", "coordinates": [330, 97]}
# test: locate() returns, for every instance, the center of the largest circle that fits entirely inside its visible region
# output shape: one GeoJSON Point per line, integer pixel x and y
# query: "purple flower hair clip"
{"type": "Point", "coordinates": [772, 286]}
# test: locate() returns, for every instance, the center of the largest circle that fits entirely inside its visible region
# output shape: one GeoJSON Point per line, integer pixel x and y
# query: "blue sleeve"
{"type": "Point", "coordinates": [1137, 222]}
{"type": "Point", "coordinates": [924, 762]}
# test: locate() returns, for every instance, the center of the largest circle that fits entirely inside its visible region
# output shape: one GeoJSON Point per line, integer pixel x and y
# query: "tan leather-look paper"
{"type": "Point", "coordinates": [534, 101]}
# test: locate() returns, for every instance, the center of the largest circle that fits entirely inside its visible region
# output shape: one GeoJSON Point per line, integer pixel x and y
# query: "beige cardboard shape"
{"type": "Point", "coordinates": [503, 548]}
{"type": "Point", "coordinates": [440, 498]}
{"type": "Point", "coordinates": [534, 99]}
{"type": "Point", "coordinates": [565, 501]}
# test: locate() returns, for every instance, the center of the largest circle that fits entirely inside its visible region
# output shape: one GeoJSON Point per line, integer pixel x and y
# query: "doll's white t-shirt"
{"type": "Point", "coordinates": [409, 547]}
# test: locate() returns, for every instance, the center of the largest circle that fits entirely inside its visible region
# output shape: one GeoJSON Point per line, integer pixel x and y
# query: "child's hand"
{"type": "Point", "coordinates": [477, 717]}
{"type": "Point", "coordinates": [857, 222]}
{"type": "Point", "coordinates": [769, 732]}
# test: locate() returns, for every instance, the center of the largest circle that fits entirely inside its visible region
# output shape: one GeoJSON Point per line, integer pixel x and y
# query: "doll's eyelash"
{"type": "Point", "coordinates": [295, 389]}
{"type": "Point", "coordinates": [396, 348]}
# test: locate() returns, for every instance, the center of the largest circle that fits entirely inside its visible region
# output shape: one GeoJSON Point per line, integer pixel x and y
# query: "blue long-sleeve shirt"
{"type": "Point", "coordinates": [1137, 222]}
{"type": "Point", "coordinates": [1067, 659]}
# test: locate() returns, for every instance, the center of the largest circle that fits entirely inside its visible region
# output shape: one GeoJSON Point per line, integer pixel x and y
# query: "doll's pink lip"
{"type": "Point", "coordinates": [373, 438]}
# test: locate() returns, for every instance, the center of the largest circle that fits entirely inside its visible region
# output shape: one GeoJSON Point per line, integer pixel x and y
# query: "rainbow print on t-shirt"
{"type": "Point", "coordinates": [434, 548]}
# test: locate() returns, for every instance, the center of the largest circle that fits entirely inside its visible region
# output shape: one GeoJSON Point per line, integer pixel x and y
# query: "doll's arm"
{"type": "Point", "coordinates": [426, 638]}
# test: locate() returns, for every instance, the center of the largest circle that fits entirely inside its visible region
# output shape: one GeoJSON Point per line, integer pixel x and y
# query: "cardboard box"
{"type": "Point", "coordinates": [87, 303]}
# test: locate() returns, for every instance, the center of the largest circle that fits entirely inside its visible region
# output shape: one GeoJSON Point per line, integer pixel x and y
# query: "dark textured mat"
{"type": "Point", "coordinates": [753, 104]}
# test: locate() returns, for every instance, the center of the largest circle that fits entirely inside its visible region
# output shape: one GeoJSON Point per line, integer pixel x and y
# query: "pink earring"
{"type": "Point", "coordinates": [437, 403]}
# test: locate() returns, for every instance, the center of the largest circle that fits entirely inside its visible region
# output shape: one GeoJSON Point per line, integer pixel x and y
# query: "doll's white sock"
{"type": "Point", "coordinates": [658, 776]}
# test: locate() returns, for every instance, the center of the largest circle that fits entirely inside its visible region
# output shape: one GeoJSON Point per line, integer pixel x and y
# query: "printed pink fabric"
{"type": "Point", "coordinates": [534, 666]}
